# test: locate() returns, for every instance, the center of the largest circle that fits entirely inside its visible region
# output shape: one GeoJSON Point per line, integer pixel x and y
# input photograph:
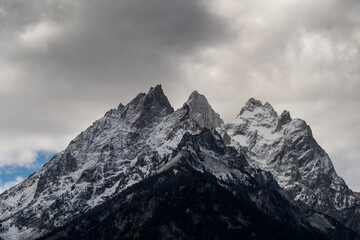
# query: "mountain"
{"type": "Point", "coordinates": [286, 148]}
{"type": "Point", "coordinates": [146, 170]}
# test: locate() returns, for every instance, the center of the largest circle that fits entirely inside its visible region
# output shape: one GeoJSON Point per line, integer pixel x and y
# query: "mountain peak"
{"type": "Point", "coordinates": [157, 88]}
{"type": "Point", "coordinates": [118, 157]}
{"type": "Point", "coordinates": [253, 102]}
{"type": "Point", "coordinates": [255, 108]}
{"type": "Point", "coordinates": [144, 109]}
{"type": "Point", "coordinates": [250, 105]}
{"type": "Point", "coordinates": [201, 111]}
{"type": "Point", "coordinates": [121, 106]}
{"type": "Point", "coordinates": [285, 115]}
{"type": "Point", "coordinates": [283, 119]}
{"type": "Point", "coordinates": [195, 94]}
{"type": "Point", "coordinates": [156, 97]}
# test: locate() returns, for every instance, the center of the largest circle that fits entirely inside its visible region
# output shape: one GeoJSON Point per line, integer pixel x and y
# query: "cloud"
{"type": "Point", "coordinates": [12, 174]}
{"type": "Point", "coordinates": [7, 185]}
{"type": "Point", "coordinates": [64, 63]}
{"type": "Point", "coordinates": [298, 55]}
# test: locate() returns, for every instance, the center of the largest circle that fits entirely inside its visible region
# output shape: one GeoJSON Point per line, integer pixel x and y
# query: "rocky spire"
{"type": "Point", "coordinates": [251, 104]}
{"type": "Point", "coordinates": [256, 107]}
{"type": "Point", "coordinates": [201, 111]}
{"type": "Point", "coordinates": [153, 105]}
{"type": "Point", "coordinates": [156, 100]}
{"type": "Point", "coordinates": [283, 119]}
{"type": "Point", "coordinates": [147, 108]}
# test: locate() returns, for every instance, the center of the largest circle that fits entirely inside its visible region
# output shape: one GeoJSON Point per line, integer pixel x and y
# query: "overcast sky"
{"type": "Point", "coordinates": [64, 63]}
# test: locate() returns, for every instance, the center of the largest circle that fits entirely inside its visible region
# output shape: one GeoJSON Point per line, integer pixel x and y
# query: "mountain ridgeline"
{"type": "Point", "coordinates": [145, 171]}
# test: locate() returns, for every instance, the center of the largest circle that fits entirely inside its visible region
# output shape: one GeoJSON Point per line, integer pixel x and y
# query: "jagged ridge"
{"type": "Point", "coordinates": [286, 148]}
{"type": "Point", "coordinates": [177, 202]}
{"type": "Point", "coordinates": [147, 137]}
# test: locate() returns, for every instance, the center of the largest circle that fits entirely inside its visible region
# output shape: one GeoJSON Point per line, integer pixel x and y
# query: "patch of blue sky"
{"type": "Point", "coordinates": [12, 174]}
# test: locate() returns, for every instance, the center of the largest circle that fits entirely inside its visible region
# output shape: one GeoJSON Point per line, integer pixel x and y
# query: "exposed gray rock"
{"type": "Point", "coordinates": [286, 148]}
{"type": "Point", "coordinates": [145, 137]}
{"type": "Point", "coordinates": [201, 111]}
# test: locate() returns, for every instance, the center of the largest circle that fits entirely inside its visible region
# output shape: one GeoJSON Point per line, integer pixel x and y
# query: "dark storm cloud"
{"type": "Point", "coordinates": [302, 56]}
{"type": "Point", "coordinates": [65, 62]}
{"type": "Point", "coordinates": [123, 41]}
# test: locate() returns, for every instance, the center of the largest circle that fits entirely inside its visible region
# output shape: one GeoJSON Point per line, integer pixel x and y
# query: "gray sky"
{"type": "Point", "coordinates": [63, 64]}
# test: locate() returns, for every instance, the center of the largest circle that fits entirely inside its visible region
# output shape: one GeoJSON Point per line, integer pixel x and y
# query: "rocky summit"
{"type": "Point", "coordinates": [145, 171]}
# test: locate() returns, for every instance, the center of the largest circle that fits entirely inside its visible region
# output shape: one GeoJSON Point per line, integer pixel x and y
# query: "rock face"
{"type": "Point", "coordinates": [286, 148]}
{"type": "Point", "coordinates": [146, 154]}
{"type": "Point", "coordinates": [194, 199]}
{"type": "Point", "coordinates": [201, 111]}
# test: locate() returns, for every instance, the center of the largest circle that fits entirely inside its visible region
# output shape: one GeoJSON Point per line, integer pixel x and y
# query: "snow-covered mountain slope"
{"type": "Point", "coordinates": [286, 148]}
{"type": "Point", "coordinates": [125, 146]}
{"type": "Point", "coordinates": [147, 137]}
{"type": "Point", "coordinates": [206, 191]}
